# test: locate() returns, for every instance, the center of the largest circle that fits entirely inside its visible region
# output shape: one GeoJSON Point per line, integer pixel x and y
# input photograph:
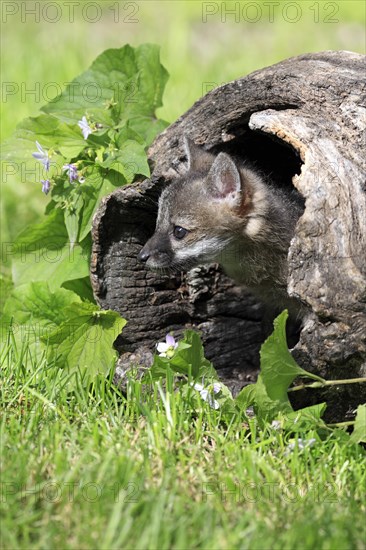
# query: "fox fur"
{"type": "Point", "coordinates": [223, 211]}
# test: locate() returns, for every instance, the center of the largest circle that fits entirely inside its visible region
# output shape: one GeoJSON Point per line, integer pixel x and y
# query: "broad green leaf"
{"type": "Point", "coordinates": [85, 341]}
{"type": "Point", "coordinates": [122, 82]}
{"type": "Point", "coordinates": [63, 192]}
{"type": "Point", "coordinates": [83, 199]}
{"type": "Point", "coordinates": [265, 407]}
{"type": "Point", "coordinates": [148, 127]}
{"type": "Point", "coordinates": [129, 160]}
{"type": "Point", "coordinates": [43, 252]}
{"type": "Point", "coordinates": [81, 287]}
{"type": "Point", "coordinates": [305, 419]}
{"type": "Point", "coordinates": [359, 431]}
{"type": "Point", "coordinates": [72, 219]}
{"type": "Point", "coordinates": [278, 368]}
{"type": "Point", "coordinates": [157, 370]}
{"type": "Point", "coordinates": [190, 357]}
{"type": "Point", "coordinates": [65, 140]}
{"type": "Point", "coordinates": [35, 302]}
{"type": "Point", "coordinates": [96, 186]}
{"type": "Point", "coordinates": [196, 351]}
{"type": "Point", "coordinates": [52, 134]}
{"type": "Point", "coordinates": [268, 409]}
{"type": "Point", "coordinates": [195, 354]}
{"type": "Point", "coordinates": [246, 397]}
{"type": "Point", "coordinates": [34, 311]}
{"type": "Point", "coordinates": [225, 400]}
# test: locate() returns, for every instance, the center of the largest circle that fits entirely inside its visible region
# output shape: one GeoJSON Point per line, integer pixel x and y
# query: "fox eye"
{"type": "Point", "coordinates": [179, 232]}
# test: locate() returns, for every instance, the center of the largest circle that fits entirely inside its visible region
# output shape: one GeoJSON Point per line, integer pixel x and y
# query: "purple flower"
{"type": "Point", "coordinates": [42, 156]}
{"type": "Point", "coordinates": [85, 128]}
{"type": "Point", "coordinates": [71, 171]}
{"type": "Point", "coordinates": [167, 348]}
{"type": "Point", "coordinates": [46, 186]}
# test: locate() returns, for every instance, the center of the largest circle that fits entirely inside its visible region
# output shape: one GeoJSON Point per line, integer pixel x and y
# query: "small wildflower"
{"type": "Point", "coordinates": [85, 128]}
{"type": "Point", "coordinates": [46, 186]}
{"type": "Point", "coordinates": [301, 444]}
{"type": "Point", "coordinates": [207, 394]}
{"type": "Point", "coordinates": [167, 348]}
{"type": "Point", "coordinates": [276, 424]}
{"type": "Point", "coordinates": [42, 156]}
{"type": "Point", "coordinates": [81, 179]}
{"type": "Point", "coordinates": [71, 171]}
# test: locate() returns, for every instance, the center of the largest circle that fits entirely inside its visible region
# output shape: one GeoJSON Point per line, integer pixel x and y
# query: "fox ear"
{"type": "Point", "coordinates": [223, 180]}
{"type": "Point", "coordinates": [198, 159]}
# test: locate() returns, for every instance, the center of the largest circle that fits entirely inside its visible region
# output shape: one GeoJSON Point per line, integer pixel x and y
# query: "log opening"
{"type": "Point", "coordinates": [302, 122]}
{"type": "Point", "coordinates": [275, 158]}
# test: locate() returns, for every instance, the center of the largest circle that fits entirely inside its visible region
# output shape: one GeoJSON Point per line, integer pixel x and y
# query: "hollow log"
{"type": "Point", "coordinates": [301, 122]}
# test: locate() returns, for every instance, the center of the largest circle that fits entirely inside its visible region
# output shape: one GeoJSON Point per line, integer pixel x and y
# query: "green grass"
{"type": "Point", "coordinates": [93, 469]}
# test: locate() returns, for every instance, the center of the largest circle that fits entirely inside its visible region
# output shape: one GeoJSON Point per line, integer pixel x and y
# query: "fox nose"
{"type": "Point", "coordinates": [143, 255]}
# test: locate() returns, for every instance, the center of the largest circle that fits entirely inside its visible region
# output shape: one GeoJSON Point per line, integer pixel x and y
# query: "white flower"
{"type": "Point", "coordinates": [167, 348]}
{"type": "Point", "coordinates": [207, 394]}
{"type": "Point", "coordinates": [84, 127]}
{"type": "Point", "coordinates": [301, 444]}
{"type": "Point", "coordinates": [276, 424]}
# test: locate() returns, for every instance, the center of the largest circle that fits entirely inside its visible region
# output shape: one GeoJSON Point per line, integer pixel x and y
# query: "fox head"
{"type": "Point", "coordinates": [203, 212]}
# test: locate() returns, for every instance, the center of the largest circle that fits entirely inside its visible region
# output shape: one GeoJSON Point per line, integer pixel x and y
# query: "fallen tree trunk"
{"type": "Point", "coordinates": [303, 122]}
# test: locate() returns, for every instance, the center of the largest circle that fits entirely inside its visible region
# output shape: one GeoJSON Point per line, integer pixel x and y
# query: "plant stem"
{"type": "Point", "coordinates": [328, 383]}
{"type": "Point", "coordinates": [341, 424]}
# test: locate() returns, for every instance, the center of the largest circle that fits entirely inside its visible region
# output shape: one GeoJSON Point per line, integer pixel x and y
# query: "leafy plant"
{"type": "Point", "coordinates": [278, 370]}
{"type": "Point", "coordinates": [88, 141]}
{"type": "Point", "coordinates": [196, 377]}
{"type": "Point", "coordinates": [75, 334]}
{"type": "Point", "coordinates": [359, 432]}
{"type": "Point", "coordinates": [268, 396]}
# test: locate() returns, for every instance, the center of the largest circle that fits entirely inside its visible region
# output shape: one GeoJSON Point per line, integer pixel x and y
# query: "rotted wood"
{"type": "Point", "coordinates": [302, 122]}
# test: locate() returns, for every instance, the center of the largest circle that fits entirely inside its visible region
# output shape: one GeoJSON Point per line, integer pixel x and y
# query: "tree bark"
{"type": "Point", "coordinates": [303, 122]}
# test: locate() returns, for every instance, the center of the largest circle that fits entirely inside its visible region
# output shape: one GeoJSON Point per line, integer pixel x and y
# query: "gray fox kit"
{"type": "Point", "coordinates": [224, 212]}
